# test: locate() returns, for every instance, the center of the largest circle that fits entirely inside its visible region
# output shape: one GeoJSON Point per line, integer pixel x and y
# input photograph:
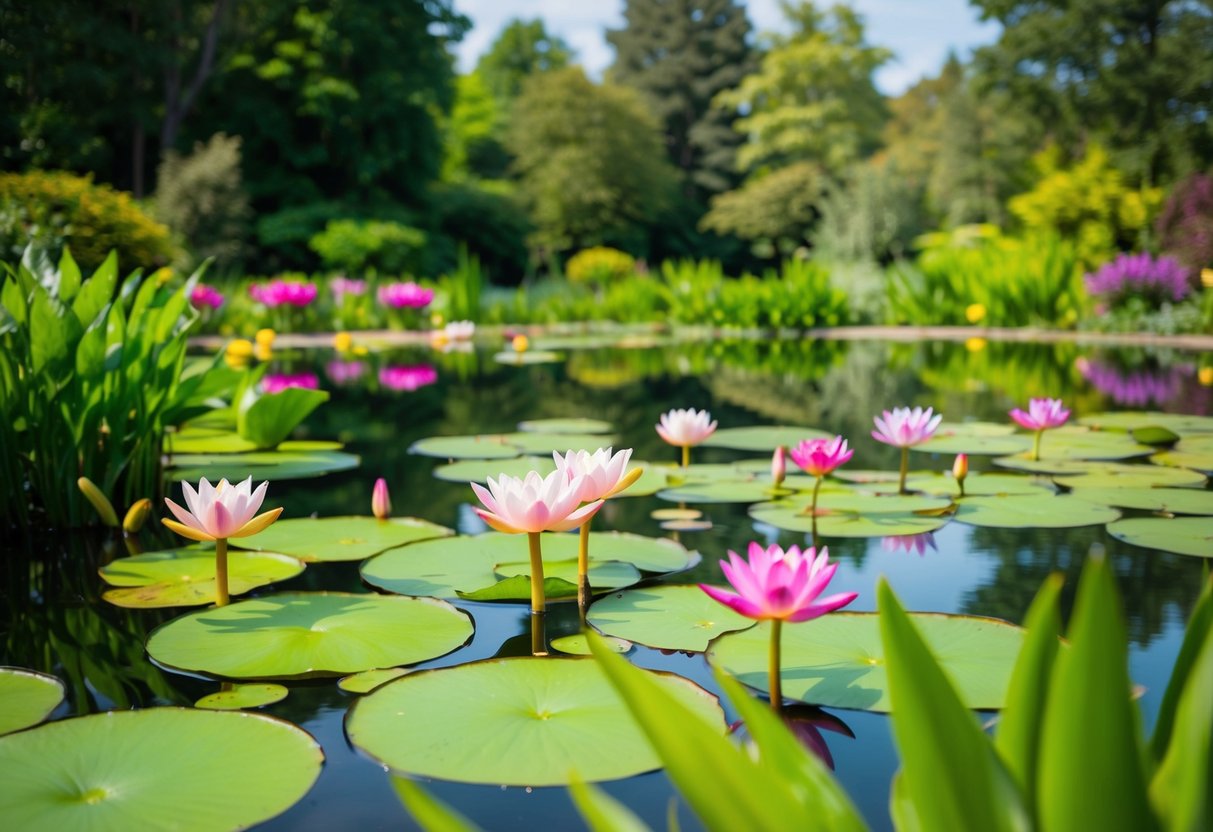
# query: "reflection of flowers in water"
{"type": "Point", "coordinates": [345, 372]}
{"type": "Point", "coordinates": [1135, 388]}
{"type": "Point", "coordinates": [805, 722]}
{"type": "Point", "coordinates": [407, 378]}
{"type": "Point", "coordinates": [277, 382]}
{"type": "Point", "coordinates": [910, 543]}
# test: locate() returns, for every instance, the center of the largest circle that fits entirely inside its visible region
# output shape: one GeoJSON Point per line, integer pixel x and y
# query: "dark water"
{"type": "Point", "coordinates": [54, 620]}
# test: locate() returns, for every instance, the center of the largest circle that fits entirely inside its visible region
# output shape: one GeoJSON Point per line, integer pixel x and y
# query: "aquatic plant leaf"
{"type": "Point", "coordinates": [665, 617]}
{"type": "Point", "coordinates": [207, 441]}
{"type": "Point", "coordinates": [1183, 456]}
{"type": "Point", "coordinates": [1171, 500]}
{"type": "Point", "coordinates": [1180, 787]}
{"type": "Point", "coordinates": [1117, 475]}
{"type": "Point", "coordinates": [978, 484]}
{"type": "Point", "coordinates": [762, 437]}
{"type": "Point", "coordinates": [1047, 511]}
{"type": "Point", "coordinates": [1075, 442]}
{"type": "Point", "coordinates": [326, 539]}
{"type": "Point", "coordinates": [186, 577]}
{"type": "Point", "coordinates": [479, 470]}
{"type": "Point", "coordinates": [368, 680]}
{"type": "Point", "coordinates": [578, 645]}
{"type": "Point", "coordinates": [855, 514]}
{"type": "Point", "coordinates": [268, 465]}
{"type": "Point", "coordinates": [1127, 420]}
{"type": "Point", "coordinates": [1198, 631]}
{"type": "Point", "coordinates": [1181, 535]}
{"type": "Point", "coordinates": [719, 492]}
{"type": "Point", "coordinates": [605, 575]}
{"type": "Point", "coordinates": [294, 635]}
{"type": "Point", "coordinates": [486, 446]}
{"type": "Point", "coordinates": [516, 721]}
{"type": "Point", "coordinates": [241, 697]}
{"type": "Point", "coordinates": [978, 438]}
{"type": "Point", "coordinates": [565, 425]}
{"type": "Point", "coordinates": [545, 443]}
{"type": "Point", "coordinates": [431, 814]}
{"type": "Point", "coordinates": [601, 812]}
{"type": "Point", "coordinates": [101, 771]}
{"type": "Point", "coordinates": [518, 588]}
{"type": "Point", "coordinates": [839, 661]}
{"type": "Point", "coordinates": [26, 698]}
{"type": "Point", "coordinates": [268, 418]}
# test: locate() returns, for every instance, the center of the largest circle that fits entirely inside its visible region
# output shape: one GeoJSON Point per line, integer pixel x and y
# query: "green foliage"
{"type": "Point", "coordinates": [460, 289]}
{"type": "Point", "coordinates": [778, 209]}
{"type": "Point", "coordinates": [201, 198]}
{"type": "Point", "coordinates": [523, 49]}
{"type": "Point", "coordinates": [470, 134]}
{"type": "Point", "coordinates": [871, 215]}
{"type": "Point", "coordinates": [1088, 203]}
{"type": "Point", "coordinates": [265, 419]}
{"type": "Point", "coordinates": [52, 209]}
{"type": "Point", "coordinates": [599, 266]}
{"type": "Point", "coordinates": [359, 245]}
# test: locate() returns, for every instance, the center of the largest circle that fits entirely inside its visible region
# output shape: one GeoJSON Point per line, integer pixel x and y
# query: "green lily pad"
{"type": "Point", "coordinates": [719, 492]}
{"type": "Point", "coordinates": [26, 698]}
{"type": "Point", "coordinates": [1181, 535]}
{"type": "Point", "coordinates": [517, 721]}
{"type": "Point", "coordinates": [977, 438]}
{"type": "Point", "coordinates": [676, 514]}
{"type": "Point", "coordinates": [545, 443]}
{"type": "Point", "coordinates": [327, 539]}
{"type": "Point", "coordinates": [1154, 435]}
{"type": "Point", "coordinates": [294, 635]}
{"type": "Point", "coordinates": [569, 425]}
{"type": "Point", "coordinates": [1115, 475]}
{"type": "Point", "coordinates": [1047, 511]}
{"type": "Point", "coordinates": [856, 515]}
{"type": "Point", "coordinates": [1181, 457]}
{"type": "Point", "coordinates": [1074, 442]}
{"type": "Point", "coordinates": [447, 567]}
{"type": "Point", "coordinates": [488, 446]}
{"type": "Point", "coordinates": [604, 575]}
{"type": "Point", "coordinates": [518, 588]}
{"type": "Point", "coordinates": [368, 680]}
{"type": "Point", "coordinates": [578, 645]}
{"type": "Point", "coordinates": [977, 484]}
{"type": "Point", "coordinates": [123, 770]}
{"type": "Point", "coordinates": [186, 577]}
{"type": "Point", "coordinates": [762, 437]}
{"type": "Point", "coordinates": [241, 697]}
{"type": "Point", "coordinates": [206, 441]}
{"type": "Point", "coordinates": [267, 465]}
{"type": "Point", "coordinates": [837, 661]}
{"type": "Point", "coordinates": [479, 470]}
{"type": "Point", "coordinates": [665, 617]}
{"type": "Point", "coordinates": [510, 357]}
{"type": "Point", "coordinates": [1180, 423]}
{"type": "Point", "coordinates": [1171, 500]}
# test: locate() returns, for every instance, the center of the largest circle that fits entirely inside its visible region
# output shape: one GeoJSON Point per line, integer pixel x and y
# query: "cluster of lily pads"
{"type": "Point", "coordinates": [543, 719]}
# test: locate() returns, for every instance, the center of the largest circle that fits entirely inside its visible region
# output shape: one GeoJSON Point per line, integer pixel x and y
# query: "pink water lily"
{"type": "Point", "coordinates": [534, 504]}
{"type": "Point", "coordinates": [1042, 415]}
{"type": "Point", "coordinates": [819, 457]}
{"type": "Point", "coordinates": [602, 473]}
{"type": "Point", "coordinates": [220, 511]}
{"type": "Point", "coordinates": [904, 428]}
{"type": "Point", "coordinates": [685, 428]}
{"type": "Point", "coordinates": [779, 466]}
{"type": "Point", "coordinates": [779, 584]}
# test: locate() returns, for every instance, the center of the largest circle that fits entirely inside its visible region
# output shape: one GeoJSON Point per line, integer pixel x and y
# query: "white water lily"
{"type": "Point", "coordinates": [603, 474]}
{"type": "Point", "coordinates": [217, 512]}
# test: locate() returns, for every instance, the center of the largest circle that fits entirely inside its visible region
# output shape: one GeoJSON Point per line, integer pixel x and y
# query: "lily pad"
{"type": "Point", "coordinates": [978, 438]}
{"type": "Point", "coordinates": [26, 698]}
{"type": "Point", "coordinates": [665, 617]}
{"type": "Point", "coordinates": [479, 470]}
{"type": "Point", "coordinates": [978, 484]}
{"type": "Point", "coordinates": [518, 588]}
{"type": "Point", "coordinates": [568, 425]}
{"type": "Point", "coordinates": [1074, 442]}
{"type": "Point", "coordinates": [762, 437]}
{"type": "Point", "coordinates": [838, 660]}
{"type": "Point", "coordinates": [1181, 535]}
{"type": "Point", "coordinates": [856, 515]}
{"type": "Point", "coordinates": [545, 443]}
{"type": "Point", "coordinates": [529, 357]}
{"type": "Point", "coordinates": [446, 567]}
{"type": "Point", "coordinates": [326, 539]}
{"type": "Point", "coordinates": [1115, 475]}
{"type": "Point", "coordinates": [604, 575]}
{"type": "Point", "coordinates": [487, 446]}
{"type": "Point", "coordinates": [1047, 511]}
{"type": "Point", "coordinates": [1182, 457]}
{"type": "Point", "coordinates": [368, 680]}
{"type": "Point", "coordinates": [517, 721]}
{"type": "Point", "coordinates": [241, 697]}
{"type": "Point", "coordinates": [207, 441]}
{"type": "Point", "coordinates": [268, 465]}
{"type": "Point", "coordinates": [719, 492]}
{"type": "Point", "coordinates": [1180, 423]}
{"type": "Point", "coordinates": [186, 577]}
{"type": "Point", "coordinates": [296, 635]}
{"type": "Point", "coordinates": [655, 477]}
{"type": "Point", "coordinates": [125, 769]}
{"type": "Point", "coordinates": [577, 645]}
{"type": "Point", "coordinates": [1171, 500]}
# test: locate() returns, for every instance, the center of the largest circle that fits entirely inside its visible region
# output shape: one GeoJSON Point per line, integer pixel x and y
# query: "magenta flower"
{"type": "Point", "coordinates": [381, 501]}
{"type": "Point", "coordinates": [280, 292]}
{"type": "Point", "coordinates": [819, 457]}
{"type": "Point", "coordinates": [779, 466]}
{"type": "Point", "coordinates": [904, 428]}
{"type": "Point", "coordinates": [685, 428]}
{"type": "Point", "coordinates": [341, 286]}
{"type": "Point", "coordinates": [345, 372]}
{"type": "Point", "coordinates": [407, 378]}
{"type": "Point", "coordinates": [1157, 280]}
{"type": "Point", "coordinates": [206, 296]}
{"type": "Point", "coordinates": [405, 295]}
{"type": "Point", "coordinates": [1042, 415]}
{"type": "Point", "coordinates": [277, 382]}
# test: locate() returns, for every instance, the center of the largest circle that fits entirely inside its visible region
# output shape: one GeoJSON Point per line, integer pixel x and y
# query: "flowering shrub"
{"type": "Point", "coordinates": [1139, 275]}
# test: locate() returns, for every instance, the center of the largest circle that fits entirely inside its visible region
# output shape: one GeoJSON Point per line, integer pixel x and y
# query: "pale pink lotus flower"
{"type": "Point", "coordinates": [535, 503]}
{"type": "Point", "coordinates": [779, 466]}
{"type": "Point", "coordinates": [819, 457]}
{"type": "Point", "coordinates": [779, 585]}
{"type": "Point", "coordinates": [910, 543]}
{"type": "Point", "coordinates": [218, 512]}
{"type": "Point", "coordinates": [1042, 414]}
{"type": "Point", "coordinates": [905, 428]}
{"type": "Point", "coordinates": [686, 427]}
{"type": "Point", "coordinates": [381, 501]}
{"type": "Point", "coordinates": [602, 474]}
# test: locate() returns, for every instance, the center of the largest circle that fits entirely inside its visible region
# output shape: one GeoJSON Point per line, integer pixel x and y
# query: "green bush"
{"type": "Point", "coordinates": [53, 209]}
{"type": "Point", "coordinates": [600, 266]}
{"type": "Point", "coordinates": [201, 198]}
{"type": "Point", "coordinates": [357, 245]}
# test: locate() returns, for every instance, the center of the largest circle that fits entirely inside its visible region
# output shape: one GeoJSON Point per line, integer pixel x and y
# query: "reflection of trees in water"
{"type": "Point", "coordinates": [1155, 586]}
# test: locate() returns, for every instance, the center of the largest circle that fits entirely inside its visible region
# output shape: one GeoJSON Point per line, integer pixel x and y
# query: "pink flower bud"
{"type": "Point", "coordinates": [381, 503]}
{"type": "Point", "coordinates": [779, 466]}
{"type": "Point", "coordinates": [960, 468]}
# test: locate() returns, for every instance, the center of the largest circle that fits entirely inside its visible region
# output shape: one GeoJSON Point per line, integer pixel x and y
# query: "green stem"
{"type": "Point", "coordinates": [776, 686]}
{"type": "Point", "coordinates": [1036, 445]}
{"type": "Point", "coordinates": [583, 570]}
{"type": "Point", "coordinates": [905, 469]}
{"type": "Point", "coordinates": [816, 488]}
{"type": "Point", "coordinates": [221, 597]}
{"type": "Point", "coordinates": [539, 645]}
{"type": "Point", "coordinates": [686, 455]}
{"type": "Point", "coordinates": [538, 600]}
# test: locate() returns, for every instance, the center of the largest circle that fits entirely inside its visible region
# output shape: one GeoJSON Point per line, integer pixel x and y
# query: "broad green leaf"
{"type": "Point", "coordinates": [1090, 774]}
{"type": "Point", "coordinates": [1182, 535]}
{"type": "Point", "coordinates": [546, 443]}
{"type": "Point", "coordinates": [518, 588]}
{"type": "Point", "coordinates": [186, 577]}
{"type": "Point", "coordinates": [96, 292]}
{"type": "Point", "coordinates": [324, 539]}
{"type": "Point", "coordinates": [1180, 423]}
{"type": "Point", "coordinates": [762, 437]}
{"type": "Point", "coordinates": [12, 299]}
{"type": "Point", "coordinates": [665, 617]}
{"type": "Point", "coordinates": [90, 353]}
{"type": "Point", "coordinates": [431, 814]}
{"type": "Point", "coordinates": [271, 417]}
{"type": "Point", "coordinates": [368, 680]}
{"type": "Point", "coordinates": [26, 698]}
{"type": "Point", "coordinates": [601, 812]}
{"type": "Point", "coordinates": [243, 697]}
{"type": "Point", "coordinates": [51, 334]}
{"type": "Point", "coordinates": [740, 491]}
{"type": "Point", "coordinates": [952, 775]}
{"type": "Point", "coordinates": [578, 645]}
{"type": "Point", "coordinates": [270, 465]}
{"type": "Point", "coordinates": [1170, 500]}
{"type": "Point", "coordinates": [487, 446]}
{"type": "Point", "coordinates": [1032, 512]}
{"type": "Point", "coordinates": [1198, 632]}
{"type": "Point", "coordinates": [569, 425]}
{"type": "Point", "coordinates": [69, 277]}
{"type": "Point", "coordinates": [479, 470]}
{"type": "Point", "coordinates": [1181, 789]}
{"type": "Point", "coordinates": [1154, 435]}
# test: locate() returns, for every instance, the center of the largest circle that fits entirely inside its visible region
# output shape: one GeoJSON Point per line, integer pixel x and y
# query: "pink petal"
{"type": "Point", "coordinates": [484, 496]}
{"type": "Point", "coordinates": [184, 516]}
{"type": "Point", "coordinates": [733, 602]}
{"type": "Point", "coordinates": [826, 605]}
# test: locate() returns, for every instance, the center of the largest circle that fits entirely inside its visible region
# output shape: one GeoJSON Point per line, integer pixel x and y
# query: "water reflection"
{"type": "Point", "coordinates": [1147, 384]}
{"type": "Point", "coordinates": [917, 543]}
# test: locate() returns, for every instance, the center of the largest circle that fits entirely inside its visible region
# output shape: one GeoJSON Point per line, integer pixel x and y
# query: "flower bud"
{"type": "Point", "coordinates": [381, 503]}
{"type": "Point", "coordinates": [136, 516]}
{"type": "Point", "coordinates": [100, 502]}
{"type": "Point", "coordinates": [779, 466]}
{"type": "Point", "coordinates": [960, 468]}
{"type": "Point", "coordinates": [520, 343]}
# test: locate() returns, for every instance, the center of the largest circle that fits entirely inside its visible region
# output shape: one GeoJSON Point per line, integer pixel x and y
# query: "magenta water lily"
{"type": "Point", "coordinates": [904, 428]}
{"type": "Point", "coordinates": [206, 297]}
{"type": "Point", "coordinates": [280, 292]}
{"type": "Point", "coordinates": [1042, 415]}
{"type": "Point", "coordinates": [685, 428]}
{"type": "Point", "coordinates": [819, 457]}
{"type": "Point", "coordinates": [406, 295]}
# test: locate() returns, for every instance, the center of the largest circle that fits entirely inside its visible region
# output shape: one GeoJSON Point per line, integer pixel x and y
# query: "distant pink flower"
{"type": "Point", "coordinates": [345, 372]}
{"type": "Point", "coordinates": [1042, 414]}
{"type": "Point", "coordinates": [280, 292]}
{"type": "Point", "coordinates": [342, 286]}
{"type": "Point", "coordinates": [405, 295]}
{"type": "Point", "coordinates": [904, 428]}
{"type": "Point", "coordinates": [819, 457]}
{"type": "Point", "coordinates": [780, 585]}
{"type": "Point", "coordinates": [277, 382]}
{"type": "Point", "coordinates": [407, 378]}
{"type": "Point", "coordinates": [534, 504]}
{"type": "Point", "coordinates": [910, 543]}
{"type": "Point", "coordinates": [381, 501]}
{"type": "Point", "coordinates": [207, 296]}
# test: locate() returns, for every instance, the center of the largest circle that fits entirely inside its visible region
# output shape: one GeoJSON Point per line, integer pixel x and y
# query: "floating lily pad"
{"type": "Point", "coordinates": [267, 465]}
{"type": "Point", "coordinates": [518, 588]}
{"type": "Point", "coordinates": [1171, 500]}
{"type": "Point", "coordinates": [292, 635]}
{"type": "Point", "coordinates": [207, 441]}
{"type": "Point", "coordinates": [186, 577]}
{"type": "Point", "coordinates": [686, 525]}
{"type": "Point", "coordinates": [978, 438]}
{"type": "Point", "coordinates": [241, 697]}
{"type": "Point", "coordinates": [545, 443]}
{"type": "Point", "coordinates": [665, 617]}
{"type": "Point", "coordinates": [1074, 442]}
{"type": "Point", "coordinates": [1048, 511]}
{"type": "Point", "coordinates": [368, 680]}
{"type": "Point", "coordinates": [978, 484]}
{"type": "Point", "coordinates": [488, 446]}
{"type": "Point", "coordinates": [856, 515]}
{"type": "Point", "coordinates": [604, 575]}
{"type": "Point", "coordinates": [326, 539]}
{"type": "Point", "coordinates": [1180, 423]}
{"type": "Point", "coordinates": [479, 470]}
{"type": "Point", "coordinates": [569, 425]}
{"type": "Point", "coordinates": [1182, 535]}
{"type": "Point", "coordinates": [719, 492]}
{"type": "Point", "coordinates": [577, 645]}
{"type": "Point", "coordinates": [517, 721]}
{"type": "Point", "coordinates": [762, 437]}
{"type": "Point", "coordinates": [446, 567]}
{"type": "Point", "coordinates": [837, 661]}
{"type": "Point", "coordinates": [26, 698]}
{"type": "Point", "coordinates": [1154, 435]}
{"type": "Point", "coordinates": [157, 768]}
{"type": "Point", "coordinates": [655, 477]}
{"type": "Point", "coordinates": [1181, 457]}
{"type": "Point", "coordinates": [676, 514]}
{"type": "Point", "coordinates": [528, 357]}
{"type": "Point", "coordinates": [1115, 475]}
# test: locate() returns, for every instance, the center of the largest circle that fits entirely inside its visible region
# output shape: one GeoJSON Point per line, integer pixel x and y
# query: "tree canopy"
{"type": "Point", "coordinates": [523, 48]}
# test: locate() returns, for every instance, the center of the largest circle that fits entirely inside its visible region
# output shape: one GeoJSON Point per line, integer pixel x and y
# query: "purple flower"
{"type": "Point", "coordinates": [277, 382]}
{"type": "Point", "coordinates": [407, 378]}
{"type": "Point", "coordinates": [207, 296]}
{"type": "Point", "coordinates": [405, 295]}
{"type": "Point", "coordinates": [1141, 275]}
{"type": "Point", "coordinates": [279, 292]}
{"type": "Point", "coordinates": [910, 543]}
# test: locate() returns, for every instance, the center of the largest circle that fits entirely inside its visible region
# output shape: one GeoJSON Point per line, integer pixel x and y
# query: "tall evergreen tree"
{"type": "Point", "coordinates": [523, 48]}
{"type": "Point", "coordinates": [680, 54]}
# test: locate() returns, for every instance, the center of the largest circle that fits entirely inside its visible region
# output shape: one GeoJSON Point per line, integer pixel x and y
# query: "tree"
{"type": "Point", "coordinates": [680, 54]}
{"type": "Point", "coordinates": [589, 161]}
{"type": "Point", "coordinates": [470, 134]}
{"type": "Point", "coordinates": [523, 48]}
{"type": "Point", "coordinates": [1136, 75]}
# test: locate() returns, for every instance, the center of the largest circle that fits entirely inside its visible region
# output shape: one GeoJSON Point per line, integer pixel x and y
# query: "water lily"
{"type": "Point", "coordinates": [219, 512]}
{"type": "Point", "coordinates": [685, 428]}
{"type": "Point", "coordinates": [960, 470]}
{"type": "Point", "coordinates": [1042, 415]}
{"type": "Point", "coordinates": [207, 297]}
{"type": "Point", "coordinates": [904, 428]}
{"type": "Point", "coordinates": [407, 295]}
{"type": "Point", "coordinates": [381, 501]}
{"type": "Point", "coordinates": [777, 586]}
{"type": "Point", "coordinates": [779, 466]}
{"type": "Point", "coordinates": [820, 457]}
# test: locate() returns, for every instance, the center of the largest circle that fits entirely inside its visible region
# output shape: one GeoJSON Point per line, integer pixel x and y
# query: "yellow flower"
{"type": "Point", "coordinates": [520, 343]}
{"type": "Point", "coordinates": [342, 341]}
{"type": "Point", "coordinates": [975, 312]}
{"type": "Point", "coordinates": [265, 337]}
{"type": "Point", "coordinates": [263, 352]}
{"type": "Point", "coordinates": [1206, 278]}
{"type": "Point", "coordinates": [1206, 376]}
{"type": "Point", "coordinates": [162, 276]}
{"type": "Point", "coordinates": [239, 348]}
{"type": "Point", "coordinates": [975, 344]}
{"type": "Point", "coordinates": [436, 320]}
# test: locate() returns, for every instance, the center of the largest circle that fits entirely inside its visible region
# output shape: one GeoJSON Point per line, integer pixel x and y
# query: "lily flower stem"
{"type": "Point", "coordinates": [776, 686]}
{"type": "Point", "coordinates": [583, 570]}
{"type": "Point", "coordinates": [538, 600]}
{"type": "Point", "coordinates": [905, 469]}
{"type": "Point", "coordinates": [816, 488]}
{"type": "Point", "coordinates": [686, 455]}
{"type": "Point", "coordinates": [539, 645]}
{"type": "Point", "coordinates": [221, 596]}
{"type": "Point", "coordinates": [1036, 445]}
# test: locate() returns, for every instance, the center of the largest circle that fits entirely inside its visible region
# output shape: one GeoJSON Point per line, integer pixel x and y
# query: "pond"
{"type": "Point", "coordinates": [384, 402]}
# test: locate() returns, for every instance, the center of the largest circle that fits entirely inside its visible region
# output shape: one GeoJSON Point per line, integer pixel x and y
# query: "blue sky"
{"type": "Point", "coordinates": [920, 32]}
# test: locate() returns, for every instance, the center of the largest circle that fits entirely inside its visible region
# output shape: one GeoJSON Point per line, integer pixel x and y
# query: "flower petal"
{"type": "Point", "coordinates": [258, 523]}
{"type": "Point", "coordinates": [186, 531]}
